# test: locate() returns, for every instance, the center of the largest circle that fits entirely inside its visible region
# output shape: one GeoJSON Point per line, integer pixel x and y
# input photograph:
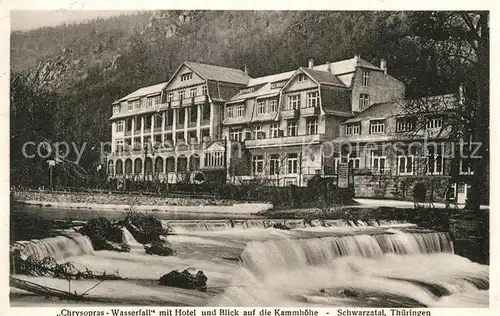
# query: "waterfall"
{"type": "Point", "coordinates": [269, 255]}
{"type": "Point", "coordinates": [129, 239]}
{"type": "Point", "coordinates": [393, 269]}
{"type": "Point", "coordinates": [60, 247]}
{"type": "Point", "coordinates": [217, 225]}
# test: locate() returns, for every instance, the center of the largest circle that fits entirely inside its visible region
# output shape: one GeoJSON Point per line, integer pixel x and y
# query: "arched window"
{"type": "Point", "coordinates": [119, 167]}
{"type": "Point", "coordinates": [128, 166]}
{"type": "Point", "coordinates": [170, 164]}
{"type": "Point", "coordinates": [158, 165]}
{"type": "Point", "coordinates": [149, 165]}
{"type": "Point", "coordinates": [110, 167]}
{"type": "Point", "coordinates": [182, 164]}
{"type": "Point", "coordinates": [138, 165]}
{"type": "Point", "coordinates": [194, 162]}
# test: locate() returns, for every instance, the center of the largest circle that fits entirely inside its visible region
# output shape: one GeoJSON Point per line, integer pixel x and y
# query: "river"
{"type": "Point", "coordinates": [248, 263]}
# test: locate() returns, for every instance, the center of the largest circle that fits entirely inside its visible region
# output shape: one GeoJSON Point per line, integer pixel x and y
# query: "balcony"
{"type": "Point", "coordinates": [310, 111]}
{"type": "Point", "coordinates": [290, 114]}
{"type": "Point", "coordinates": [187, 101]}
{"type": "Point", "coordinates": [284, 141]}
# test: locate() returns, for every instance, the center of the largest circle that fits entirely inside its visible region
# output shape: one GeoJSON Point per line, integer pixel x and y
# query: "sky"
{"type": "Point", "coordinates": [27, 20]}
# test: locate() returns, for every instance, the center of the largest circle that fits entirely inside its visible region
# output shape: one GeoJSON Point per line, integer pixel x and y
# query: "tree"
{"type": "Point", "coordinates": [453, 53]}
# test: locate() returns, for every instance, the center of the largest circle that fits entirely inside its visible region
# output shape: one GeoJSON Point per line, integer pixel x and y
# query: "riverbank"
{"type": "Point", "coordinates": [142, 203]}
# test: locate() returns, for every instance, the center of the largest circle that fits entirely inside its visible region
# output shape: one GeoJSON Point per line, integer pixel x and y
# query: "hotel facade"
{"type": "Point", "coordinates": [211, 122]}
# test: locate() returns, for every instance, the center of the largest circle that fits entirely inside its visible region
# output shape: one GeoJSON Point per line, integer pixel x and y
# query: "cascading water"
{"type": "Point", "coordinates": [218, 225]}
{"type": "Point", "coordinates": [308, 263]}
{"type": "Point", "coordinates": [60, 247]}
{"type": "Point", "coordinates": [266, 256]}
{"type": "Point", "coordinates": [390, 269]}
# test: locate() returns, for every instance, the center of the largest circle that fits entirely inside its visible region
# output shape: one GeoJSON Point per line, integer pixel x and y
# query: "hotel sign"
{"type": "Point", "coordinates": [343, 175]}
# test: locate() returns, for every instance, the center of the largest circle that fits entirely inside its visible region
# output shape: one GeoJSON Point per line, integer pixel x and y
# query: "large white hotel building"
{"type": "Point", "coordinates": [221, 122]}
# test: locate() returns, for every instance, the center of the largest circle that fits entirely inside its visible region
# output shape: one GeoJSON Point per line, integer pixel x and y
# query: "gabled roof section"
{"type": "Point", "coordinates": [271, 78]}
{"type": "Point", "coordinates": [423, 106]}
{"type": "Point", "coordinates": [218, 73]}
{"type": "Point", "coordinates": [263, 86]}
{"type": "Point", "coordinates": [346, 66]}
{"type": "Point", "coordinates": [380, 110]}
{"type": "Point", "coordinates": [155, 89]}
{"type": "Point", "coordinates": [323, 77]}
{"type": "Point", "coordinates": [336, 101]}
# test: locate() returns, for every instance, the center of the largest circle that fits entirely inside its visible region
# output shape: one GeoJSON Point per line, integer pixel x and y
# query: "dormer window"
{"type": "Point", "coordinates": [150, 101]}
{"type": "Point", "coordinates": [240, 109]}
{"type": "Point", "coordinates": [366, 78]}
{"type": "Point", "coordinates": [301, 77]}
{"type": "Point", "coordinates": [261, 107]}
{"type": "Point", "coordinates": [137, 104]}
{"type": "Point", "coordinates": [204, 90]}
{"type": "Point", "coordinates": [187, 76]}
{"type": "Point", "coordinates": [405, 124]}
{"type": "Point", "coordinates": [182, 94]}
{"type": "Point", "coordinates": [116, 109]}
{"type": "Point", "coordinates": [377, 127]}
{"type": "Point", "coordinates": [434, 122]}
{"type": "Point", "coordinates": [273, 105]}
{"type": "Point", "coordinates": [364, 101]}
{"type": "Point", "coordinates": [352, 129]}
{"type": "Point", "coordinates": [157, 99]}
{"type": "Point", "coordinates": [230, 111]}
{"type": "Point", "coordinates": [313, 99]}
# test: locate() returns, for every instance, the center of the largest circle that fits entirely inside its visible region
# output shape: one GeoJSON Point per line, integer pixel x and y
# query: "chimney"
{"type": "Point", "coordinates": [246, 70]}
{"type": "Point", "coordinates": [328, 66]}
{"type": "Point", "coordinates": [356, 59]}
{"type": "Point", "coordinates": [383, 65]}
{"type": "Point", "coordinates": [310, 63]}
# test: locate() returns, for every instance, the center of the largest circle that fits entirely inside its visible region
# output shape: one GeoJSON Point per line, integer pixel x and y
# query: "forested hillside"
{"type": "Point", "coordinates": [81, 69]}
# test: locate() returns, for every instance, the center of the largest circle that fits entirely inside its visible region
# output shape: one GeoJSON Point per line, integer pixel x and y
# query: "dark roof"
{"type": "Point", "coordinates": [385, 109]}
{"type": "Point", "coordinates": [218, 73]}
{"type": "Point", "coordinates": [154, 89]}
{"type": "Point", "coordinates": [336, 100]}
{"type": "Point", "coordinates": [323, 77]}
{"type": "Point", "coordinates": [429, 105]}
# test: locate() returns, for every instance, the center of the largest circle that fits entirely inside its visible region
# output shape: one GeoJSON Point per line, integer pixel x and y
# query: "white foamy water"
{"type": "Point", "coordinates": [59, 247]}
{"type": "Point", "coordinates": [305, 266]}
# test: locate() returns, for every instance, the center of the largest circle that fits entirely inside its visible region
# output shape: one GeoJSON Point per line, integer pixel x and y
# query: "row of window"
{"type": "Point", "coordinates": [292, 129]}
{"type": "Point", "coordinates": [182, 94]}
{"type": "Point", "coordinates": [263, 107]}
{"type": "Point", "coordinates": [157, 142]}
{"type": "Point", "coordinates": [157, 118]}
{"type": "Point", "coordinates": [402, 125]}
{"type": "Point", "coordinates": [271, 105]}
{"type": "Point", "coordinates": [152, 101]}
{"type": "Point", "coordinates": [432, 164]}
{"type": "Point", "coordinates": [312, 100]}
{"type": "Point", "coordinates": [274, 164]}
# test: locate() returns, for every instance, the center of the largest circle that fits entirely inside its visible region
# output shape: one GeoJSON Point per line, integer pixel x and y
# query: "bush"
{"type": "Point", "coordinates": [160, 248]}
{"type": "Point", "coordinates": [145, 228]}
{"type": "Point", "coordinates": [185, 280]}
{"type": "Point", "coordinates": [103, 234]}
{"type": "Point", "coordinates": [419, 192]}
